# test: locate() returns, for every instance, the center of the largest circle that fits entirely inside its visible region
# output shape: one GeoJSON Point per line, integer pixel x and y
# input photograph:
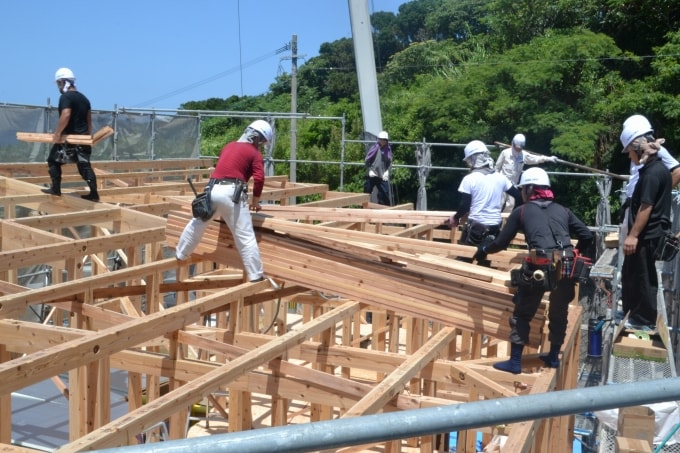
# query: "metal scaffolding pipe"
{"type": "Point", "coordinates": [418, 422]}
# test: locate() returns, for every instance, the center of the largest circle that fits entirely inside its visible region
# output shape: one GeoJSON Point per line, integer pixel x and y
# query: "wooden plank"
{"type": "Point", "coordinates": [73, 139]}
{"type": "Point", "coordinates": [9, 448]}
{"type": "Point", "coordinates": [101, 134]}
{"type": "Point", "coordinates": [357, 215]}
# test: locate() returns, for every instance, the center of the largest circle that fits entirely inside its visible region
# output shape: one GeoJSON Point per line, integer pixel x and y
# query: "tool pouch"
{"type": "Point", "coordinates": [66, 155]}
{"type": "Point", "coordinates": [667, 248]}
{"type": "Point", "coordinates": [535, 275]}
{"type": "Point", "coordinates": [239, 188]}
{"type": "Point", "coordinates": [518, 278]}
{"type": "Point", "coordinates": [201, 206]}
{"type": "Point", "coordinates": [581, 268]}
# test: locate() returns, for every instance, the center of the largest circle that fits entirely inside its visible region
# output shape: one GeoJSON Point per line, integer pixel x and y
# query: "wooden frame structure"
{"type": "Point", "coordinates": [437, 323]}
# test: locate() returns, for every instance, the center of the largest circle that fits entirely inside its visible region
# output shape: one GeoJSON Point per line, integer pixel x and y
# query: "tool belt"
{"type": "Point", "coordinates": [667, 248]}
{"type": "Point", "coordinates": [545, 269]}
{"type": "Point", "coordinates": [67, 154]}
{"type": "Point", "coordinates": [225, 181]}
{"type": "Point", "coordinates": [476, 233]}
{"type": "Point", "coordinates": [240, 187]}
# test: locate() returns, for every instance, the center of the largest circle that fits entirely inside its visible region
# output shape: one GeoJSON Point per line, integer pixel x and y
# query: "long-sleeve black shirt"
{"type": "Point", "coordinates": [535, 219]}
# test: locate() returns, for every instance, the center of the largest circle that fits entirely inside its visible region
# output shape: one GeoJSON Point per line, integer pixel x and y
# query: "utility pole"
{"type": "Point", "coordinates": [293, 111]}
{"type": "Point", "coordinates": [363, 53]}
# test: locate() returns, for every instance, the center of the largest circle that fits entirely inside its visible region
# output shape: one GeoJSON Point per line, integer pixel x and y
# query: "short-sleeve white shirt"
{"type": "Point", "coordinates": [486, 191]}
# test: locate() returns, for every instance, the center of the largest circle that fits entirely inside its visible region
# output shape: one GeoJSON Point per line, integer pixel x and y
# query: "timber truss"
{"type": "Point", "coordinates": [437, 324]}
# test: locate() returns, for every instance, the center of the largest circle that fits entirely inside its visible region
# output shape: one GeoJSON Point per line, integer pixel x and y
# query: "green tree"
{"type": "Point", "coordinates": [333, 73]}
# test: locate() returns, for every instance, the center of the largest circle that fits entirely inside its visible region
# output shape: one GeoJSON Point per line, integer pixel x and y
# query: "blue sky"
{"type": "Point", "coordinates": [159, 54]}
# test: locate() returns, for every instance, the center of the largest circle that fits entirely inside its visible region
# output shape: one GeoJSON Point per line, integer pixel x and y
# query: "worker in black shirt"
{"type": "Point", "coordinates": [75, 117]}
{"type": "Point", "coordinates": [547, 227]}
{"type": "Point", "coordinates": [648, 222]}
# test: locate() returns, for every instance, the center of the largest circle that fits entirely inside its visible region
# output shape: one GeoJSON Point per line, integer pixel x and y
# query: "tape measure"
{"type": "Point", "coordinates": [642, 335]}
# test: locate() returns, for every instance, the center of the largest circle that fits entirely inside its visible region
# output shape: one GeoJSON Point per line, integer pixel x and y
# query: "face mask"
{"type": "Point", "coordinates": [67, 85]}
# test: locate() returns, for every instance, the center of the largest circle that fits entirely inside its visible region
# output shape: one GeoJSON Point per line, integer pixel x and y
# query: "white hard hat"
{"type": "Point", "coordinates": [383, 135]}
{"type": "Point", "coordinates": [534, 176]}
{"type": "Point", "coordinates": [634, 129]}
{"type": "Point", "coordinates": [64, 73]}
{"type": "Point", "coordinates": [474, 147]}
{"type": "Point", "coordinates": [519, 140]}
{"type": "Point", "coordinates": [638, 120]}
{"type": "Point", "coordinates": [263, 128]}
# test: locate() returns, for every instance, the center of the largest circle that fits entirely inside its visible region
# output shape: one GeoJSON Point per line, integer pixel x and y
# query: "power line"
{"type": "Point", "coordinates": [214, 77]}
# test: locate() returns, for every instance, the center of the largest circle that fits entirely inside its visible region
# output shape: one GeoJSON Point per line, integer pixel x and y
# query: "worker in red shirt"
{"type": "Point", "coordinates": [238, 162]}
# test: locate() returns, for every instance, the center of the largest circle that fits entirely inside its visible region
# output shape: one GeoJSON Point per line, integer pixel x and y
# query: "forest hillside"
{"type": "Point", "coordinates": [566, 74]}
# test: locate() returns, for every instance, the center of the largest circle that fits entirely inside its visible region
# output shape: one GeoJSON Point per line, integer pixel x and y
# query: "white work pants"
{"type": "Point", "coordinates": [237, 217]}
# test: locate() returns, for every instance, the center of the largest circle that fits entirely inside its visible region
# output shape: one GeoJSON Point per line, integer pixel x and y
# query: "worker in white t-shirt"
{"type": "Point", "coordinates": [481, 195]}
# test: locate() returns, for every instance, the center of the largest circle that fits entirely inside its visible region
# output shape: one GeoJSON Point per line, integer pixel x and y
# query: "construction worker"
{"type": "Point", "coordinates": [511, 163]}
{"type": "Point", "coordinates": [481, 194]}
{"type": "Point", "coordinates": [548, 227]}
{"type": "Point", "coordinates": [75, 117]}
{"type": "Point", "coordinates": [640, 123]}
{"type": "Point", "coordinates": [378, 163]}
{"type": "Point", "coordinates": [648, 221]}
{"type": "Point", "coordinates": [238, 162]}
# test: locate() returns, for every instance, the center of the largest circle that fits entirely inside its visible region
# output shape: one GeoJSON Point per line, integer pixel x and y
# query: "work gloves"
{"type": "Point", "coordinates": [552, 159]}
{"type": "Point", "coordinates": [385, 175]}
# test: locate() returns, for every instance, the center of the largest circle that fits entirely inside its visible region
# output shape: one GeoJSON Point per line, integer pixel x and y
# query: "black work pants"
{"type": "Point", "coordinates": [383, 189]}
{"type": "Point", "coordinates": [640, 284]}
{"type": "Point", "coordinates": [527, 299]}
{"type": "Point", "coordinates": [83, 154]}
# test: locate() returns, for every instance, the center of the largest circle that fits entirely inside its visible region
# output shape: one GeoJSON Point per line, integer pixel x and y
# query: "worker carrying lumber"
{"type": "Point", "coordinates": [511, 163]}
{"type": "Point", "coordinates": [549, 266]}
{"type": "Point", "coordinates": [238, 162]}
{"type": "Point", "coordinates": [378, 164]}
{"type": "Point", "coordinates": [75, 117]}
{"type": "Point", "coordinates": [481, 195]}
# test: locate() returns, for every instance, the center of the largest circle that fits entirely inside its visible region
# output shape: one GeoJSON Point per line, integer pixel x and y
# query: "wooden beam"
{"type": "Point", "coordinates": [392, 385]}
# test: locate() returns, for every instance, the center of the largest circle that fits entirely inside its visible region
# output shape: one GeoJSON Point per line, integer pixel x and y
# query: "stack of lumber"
{"type": "Point", "coordinates": [411, 277]}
